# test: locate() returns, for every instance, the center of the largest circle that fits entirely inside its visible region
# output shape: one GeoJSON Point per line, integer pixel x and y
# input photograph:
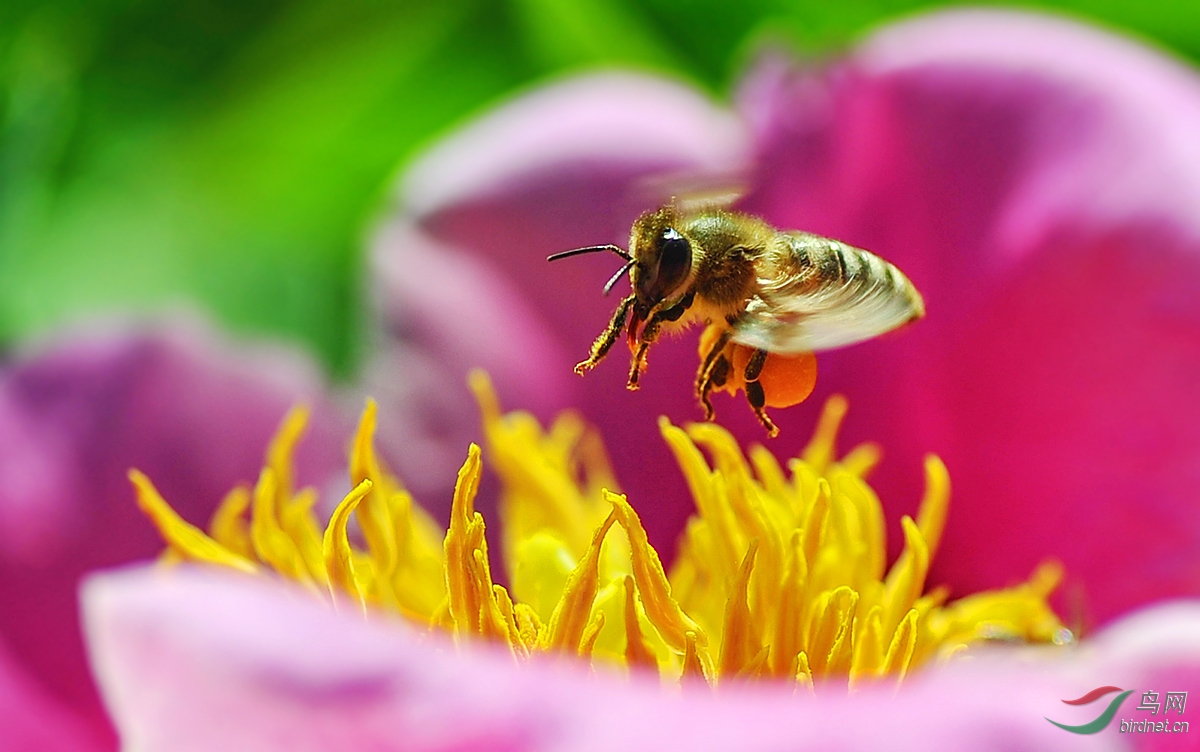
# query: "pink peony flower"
{"type": "Point", "coordinates": [1031, 176]}
{"type": "Point", "coordinates": [1038, 180]}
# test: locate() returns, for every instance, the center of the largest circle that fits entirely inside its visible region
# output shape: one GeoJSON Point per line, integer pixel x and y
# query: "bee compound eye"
{"type": "Point", "coordinates": [675, 258]}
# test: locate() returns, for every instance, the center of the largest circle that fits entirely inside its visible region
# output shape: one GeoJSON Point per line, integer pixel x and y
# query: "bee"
{"type": "Point", "coordinates": [768, 299]}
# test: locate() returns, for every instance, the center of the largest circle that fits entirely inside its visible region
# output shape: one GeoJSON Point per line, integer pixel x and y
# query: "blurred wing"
{"type": "Point", "coordinates": [691, 191]}
{"type": "Point", "coordinates": [817, 294]}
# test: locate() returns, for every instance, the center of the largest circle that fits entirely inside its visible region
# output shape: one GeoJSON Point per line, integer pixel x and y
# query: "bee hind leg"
{"type": "Point", "coordinates": [607, 338]}
{"type": "Point", "coordinates": [754, 390]}
{"type": "Point", "coordinates": [758, 402]}
{"type": "Point", "coordinates": [754, 366]}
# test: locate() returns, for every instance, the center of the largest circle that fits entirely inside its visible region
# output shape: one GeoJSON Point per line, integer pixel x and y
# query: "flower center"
{"type": "Point", "coordinates": [779, 574]}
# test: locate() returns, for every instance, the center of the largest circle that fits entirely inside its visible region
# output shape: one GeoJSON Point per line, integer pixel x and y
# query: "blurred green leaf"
{"type": "Point", "coordinates": [560, 35]}
{"type": "Point", "coordinates": [252, 192]}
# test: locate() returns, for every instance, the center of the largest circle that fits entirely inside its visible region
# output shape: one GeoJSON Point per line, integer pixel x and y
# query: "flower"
{"type": "Point", "coordinates": [776, 576]}
{"type": "Point", "coordinates": [1036, 179]}
{"type": "Point", "coordinates": [174, 652]}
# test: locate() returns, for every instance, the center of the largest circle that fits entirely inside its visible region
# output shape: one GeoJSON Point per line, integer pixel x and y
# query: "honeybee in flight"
{"type": "Point", "coordinates": [769, 299]}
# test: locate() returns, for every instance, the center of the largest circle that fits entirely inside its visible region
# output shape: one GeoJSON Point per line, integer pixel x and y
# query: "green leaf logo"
{"type": "Point", "coordinates": [1101, 720]}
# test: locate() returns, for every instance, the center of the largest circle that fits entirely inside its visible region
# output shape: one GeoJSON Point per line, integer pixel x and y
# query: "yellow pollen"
{"type": "Point", "coordinates": [781, 574]}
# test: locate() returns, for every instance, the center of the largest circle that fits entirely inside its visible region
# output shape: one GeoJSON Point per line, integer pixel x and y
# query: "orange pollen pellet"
{"type": "Point", "coordinates": [786, 379]}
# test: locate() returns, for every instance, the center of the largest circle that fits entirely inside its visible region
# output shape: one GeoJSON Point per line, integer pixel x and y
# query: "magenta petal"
{"type": "Point", "coordinates": [75, 415]}
{"type": "Point", "coordinates": [31, 720]}
{"type": "Point", "coordinates": [193, 659]}
{"type": "Point", "coordinates": [1040, 182]}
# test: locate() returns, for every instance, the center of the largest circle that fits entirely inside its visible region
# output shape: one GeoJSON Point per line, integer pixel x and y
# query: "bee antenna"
{"type": "Point", "coordinates": [620, 273]}
{"type": "Point", "coordinates": [591, 249]}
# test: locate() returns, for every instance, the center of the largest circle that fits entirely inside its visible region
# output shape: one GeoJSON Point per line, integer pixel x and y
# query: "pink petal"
{"type": "Point", "coordinates": [1040, 182]}
{"type": "Point", "coordinates": [199, 659]}
{"type": "Point", "coordinates": [191, 411]}
{"type": "Point", "coordinates": [596, 126]}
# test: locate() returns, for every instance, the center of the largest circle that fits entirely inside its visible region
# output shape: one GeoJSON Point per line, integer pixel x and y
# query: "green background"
{"type": "Point", "coordinates": [234, 153]}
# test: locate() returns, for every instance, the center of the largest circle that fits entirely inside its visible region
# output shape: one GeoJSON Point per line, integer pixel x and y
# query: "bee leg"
{"type": "Point", "coordinates": [710, 359]}
{"type": "Point", "coordinates": [650, 334]}
{"type": "Point", "coordinates": [607, 338]}
{"type": "Point", "coordinates": [715, 378]}
{"type": "Point", "coordinates": [758, 401]}
{"type": "Point", "coordinates": [755, 365]}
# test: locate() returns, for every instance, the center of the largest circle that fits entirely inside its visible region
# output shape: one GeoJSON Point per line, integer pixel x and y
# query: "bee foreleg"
{"type": "Point", "coordinates": [758, 401]}
{"type": "Point", "coordinates": [650, 334]}
{"type": "Point", "coordinates": [607, 338]}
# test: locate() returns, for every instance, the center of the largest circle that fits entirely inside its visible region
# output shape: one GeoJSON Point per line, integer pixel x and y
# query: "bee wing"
{"type": "Point", "coordinates": [817, 294]}
{"type": "Point", "coordinates": [692, 191]}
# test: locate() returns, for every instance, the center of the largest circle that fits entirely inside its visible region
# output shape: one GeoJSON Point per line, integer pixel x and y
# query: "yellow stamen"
{"type": "Point", "coordinates": [587, 641]}
{"type": "Point", "coordinates": [740, 643]}
{"type": "Point", "coordinates": [931, 516]}
{"type": "Point", "coordinates": [283, 446]}
{"type": "Point", "coordinates": [473, 603]}
{"type": "Point", "coordinates": [636, 652]}
{"type": "Point", "coordinates": [900, 651]}
{"type": "Point", "coordinates": [337, 552]}
{"type": "Point", "coordinates": [693, 666]}
{"type": "Point", "coordinates": [662, 610]}
{"type": "Point", "coordinates": [272, 544]}
{"type": "Point", "coordinates": [781, 573]}
{"type": "Point", "coordinates": [184, 539]}
{"type": "Point", "coordinates": [573, 614]}
{"type": "Point", "coordinates": [803, 673]}
{"type": "Point", "coordinates": [227, 526]}
{"type": "Point", "coordinates": [822, 450]}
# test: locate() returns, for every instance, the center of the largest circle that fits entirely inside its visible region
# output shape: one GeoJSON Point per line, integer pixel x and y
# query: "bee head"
{"type": "Point", "coordinates": [662, 258]}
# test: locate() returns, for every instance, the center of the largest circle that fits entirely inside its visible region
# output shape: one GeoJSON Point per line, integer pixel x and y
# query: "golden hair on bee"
{"type": "Point", "coordinates": [768, 299]}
